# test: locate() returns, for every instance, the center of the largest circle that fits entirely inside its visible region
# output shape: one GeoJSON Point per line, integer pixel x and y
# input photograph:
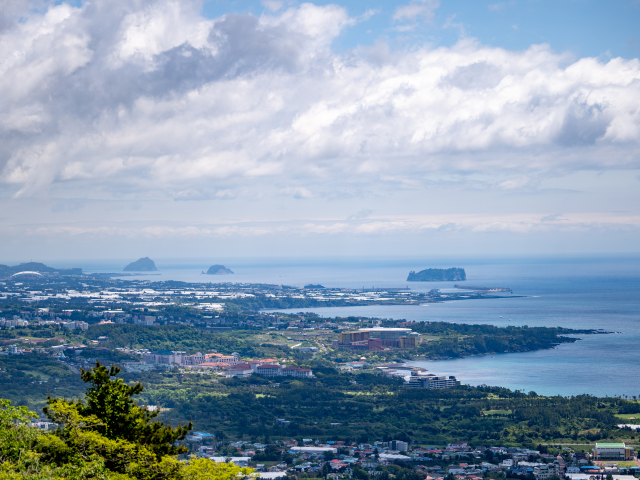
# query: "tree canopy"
{"type": "Point", "coordinates": [106, 436]}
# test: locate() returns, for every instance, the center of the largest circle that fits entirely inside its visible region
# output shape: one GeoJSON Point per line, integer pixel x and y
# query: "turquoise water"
{"type": "Point", "coordinates": [575, 293]}
{"type": "Point", "coordinates": [585, 293]}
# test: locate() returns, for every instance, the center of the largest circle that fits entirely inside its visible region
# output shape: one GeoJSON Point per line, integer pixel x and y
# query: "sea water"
{"type": "Point", "coordinates": [573, 292]}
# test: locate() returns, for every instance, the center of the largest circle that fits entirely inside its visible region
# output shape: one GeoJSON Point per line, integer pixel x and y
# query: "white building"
{"type": "Point", "coordinates": [542, 472]}
{"type": "Point", "coordinates": [270, 370]}
{"type": "Point", "coordinates": [431, 381]}
{"type": "Point", "coordinates": [76, 324]}
{"type": "Point", "coordinates": [318, 450]}
{"type": "Point", "coordinates": [239, 461]}
{"type": "Point", "coordinates": [140, 366]}
{"type": "Point", "coordinates": [613, 451]}
{"type": "Point", "coordinates": [219, 358]}
{"type": "Point", "coordinates": [164, 356]}
{"type": "Point", "coordinates": [240, 370]}
{"type": "Point", "coordinates": [195, 359]}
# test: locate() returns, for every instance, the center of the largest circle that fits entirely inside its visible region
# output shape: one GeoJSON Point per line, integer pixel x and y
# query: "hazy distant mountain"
{"type": "Point", "coordinates": [438, 275]}
{"type": "Point", "coordinates": [218, 270]}
{"type": "Point", "coordinates": [143, 265]}
{"type": "Point", "coordinates": [6, 270]}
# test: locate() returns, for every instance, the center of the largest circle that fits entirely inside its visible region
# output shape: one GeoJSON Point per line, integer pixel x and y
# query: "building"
{"type": "Point", "coordinates": [360, 364]}
{"type": "Point", "coordinates": [410, 341]}
{"type": "Point", "coordinates": [613, 451]}
{"type": "Point", "coordinates": [218, 357]}
{"type": "Point", "coordinates": [296, 372]}
{"type": "Point", "coordinates": [306, 349]}
{"type": "Point", "coordinates": [376, 338]}
{"type": "Point", "coordinates": [542, 472]}
{"type": "Point", "coordinates": [16, 322]}
{"type": "Point", "coordinates": [399, 446]}
{"type": "Point", "coordinates": [164, 356]}
{"type": "Point", "coordinates": [44, 425]}
{"type": "Point", "coordinates": [462, 447]}
{"type": "Point", "coordinates": [431, 381]}
{"type": "Point", "coordinates": [270, 370]}
{"type": "Point", "coordinates": [394, 337]}
{"type": "Point", "coordinates": [214, 365]}
{"type": "Point", "coordinates": [195, 359]}
{"type": "Point", "coordinates": [239, 461]}
{"type": "Point", "coordinates": [359, 336]}
{"type": "Point", "coordinates": [179, 358]}
{"type": "Point", "coordinates": [240, 370]}
{"type": "Point", "coordinates": [314, 450]}
{"type": "Point", "coordinates": [76, 324]}
{"type": "Point", "coordinates": [142, 366]}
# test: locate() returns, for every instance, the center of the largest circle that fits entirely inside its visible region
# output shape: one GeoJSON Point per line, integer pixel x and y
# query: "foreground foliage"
{"type": "Point", "coordinates": [108, 436]}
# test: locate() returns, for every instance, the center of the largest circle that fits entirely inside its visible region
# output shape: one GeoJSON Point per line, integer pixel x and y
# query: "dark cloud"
{"type": "Point", "coordinates": [583, 124]}
{"type": "Point", "coordinates": [476, 76]}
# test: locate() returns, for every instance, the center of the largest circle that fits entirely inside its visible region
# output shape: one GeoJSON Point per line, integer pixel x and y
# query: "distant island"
{"type": "Point", "coordinates": [6, 270]}
{"type": "Point", "coordinates": [313, 286]}
{"type": "Point", "coordinates": [142, 265]}
{"type": "Point", "coordinates": [438, 275]}
{"type": "Point", "coordinates": [218, 270]}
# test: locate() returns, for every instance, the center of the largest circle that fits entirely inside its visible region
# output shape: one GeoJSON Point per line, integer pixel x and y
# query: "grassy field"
{"type": "Point", "coordinates": [497, 412]}
{"type": "Point", "coordinates": [628, 416]}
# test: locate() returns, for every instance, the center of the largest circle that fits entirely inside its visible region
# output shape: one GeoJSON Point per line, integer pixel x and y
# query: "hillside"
{"type": "Point", "coordinates": [6, 270]}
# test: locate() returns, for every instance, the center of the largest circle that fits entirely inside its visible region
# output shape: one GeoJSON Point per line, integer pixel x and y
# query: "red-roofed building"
{"type": "Point", "coordinates": [214, 365]}
{"type": "Point", "coordinates": [296, 372]}
{"type": "Point", "coordinates": [269, 370]}
{"type": "Point", "coordinates": [240, 370]}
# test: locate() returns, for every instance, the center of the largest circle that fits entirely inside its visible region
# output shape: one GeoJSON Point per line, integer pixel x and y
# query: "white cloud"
{"type": "Point", "coordinates": [516, 183]}
{"type": "Point", "coordinates": [499, 7]}
{"type": "Point", "coordinates": [273, 5]}
{"type": "Point", "coordinates": [297, 192]}
{"type": "Point", "coordinates": [325, 229]}
{"type": "Point", "coordinates": [522, 223]}
{"type": "Point", "coordinates": [422, 9]}
{"type": "Point", "coordinates": [150, 98]}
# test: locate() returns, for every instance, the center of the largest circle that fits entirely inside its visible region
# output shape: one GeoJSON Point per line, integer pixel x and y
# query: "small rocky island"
{"type": "Point", "coordinates": [142, 265]}
{"type": "Point", "coordinates": [438, 275]}
{"type": "Point", "coordinates": [218, 270]}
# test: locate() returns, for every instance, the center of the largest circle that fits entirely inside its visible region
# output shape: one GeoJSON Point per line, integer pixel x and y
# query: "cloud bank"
{"type": "Point", "coordinates": [148, 100]}
{"type": "Point", "coordinates": [150, 94]}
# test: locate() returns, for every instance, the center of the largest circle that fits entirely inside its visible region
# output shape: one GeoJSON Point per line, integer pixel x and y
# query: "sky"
{"type": "Point", "coordinates": [183, 129]}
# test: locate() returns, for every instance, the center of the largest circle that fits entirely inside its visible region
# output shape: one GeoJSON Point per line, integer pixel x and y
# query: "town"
{"type": "Point", "coordinates": [296, 394]}
{"type": "Point", "coordinates": [459, 460]}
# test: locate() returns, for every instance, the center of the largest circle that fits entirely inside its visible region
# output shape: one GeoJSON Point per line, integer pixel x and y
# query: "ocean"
{"type": "Point", "coordinates": [574, 292]}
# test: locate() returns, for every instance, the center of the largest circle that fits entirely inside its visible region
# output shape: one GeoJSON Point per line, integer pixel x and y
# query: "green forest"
{"type": "Point", "coordinates": [368, 406]}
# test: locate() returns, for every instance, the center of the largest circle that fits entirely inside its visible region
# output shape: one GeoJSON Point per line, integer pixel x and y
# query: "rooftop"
{"type": "Point", "coordinates": [384, 329]}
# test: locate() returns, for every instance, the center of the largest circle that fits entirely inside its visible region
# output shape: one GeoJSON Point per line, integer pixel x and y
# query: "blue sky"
{"type": "Point", "coordinates": [175, 128]}
{"type": "Point", "coordinates": [588, 28]}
